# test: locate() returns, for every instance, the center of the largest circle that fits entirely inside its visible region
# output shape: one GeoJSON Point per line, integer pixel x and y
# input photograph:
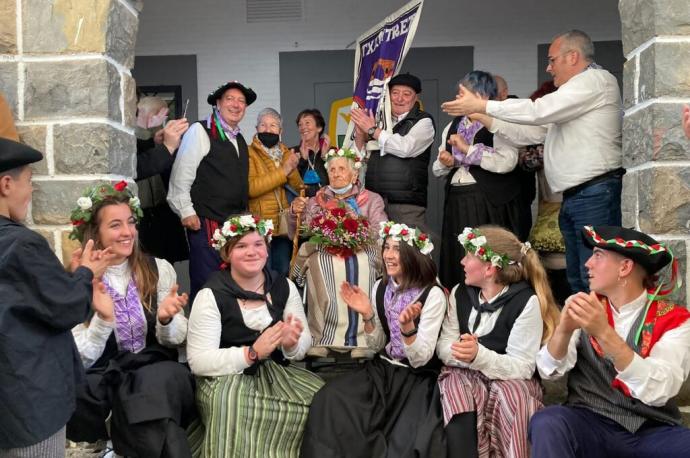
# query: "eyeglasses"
{"type": "Point", "coordinates": [552, 60]}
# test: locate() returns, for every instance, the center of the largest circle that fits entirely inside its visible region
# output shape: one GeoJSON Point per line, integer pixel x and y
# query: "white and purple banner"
{"type": "Point", "coordinates": [378, 57]}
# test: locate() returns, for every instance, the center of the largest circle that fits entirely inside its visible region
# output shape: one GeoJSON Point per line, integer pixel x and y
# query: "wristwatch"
{"type": "Point", "coordinates": [253, 355]}
{"type": "Point", "coordinates": [371, 132]}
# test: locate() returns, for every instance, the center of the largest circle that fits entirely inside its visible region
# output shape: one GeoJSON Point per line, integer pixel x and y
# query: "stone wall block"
{"type": "Point", "coordinates": [642, 20]}
{"type": "Point", "coordinates": [65, 26]}
{"type": "Point", "coordinates": [8, 27]}
{"type": "Point", "coordinates": [72, 88]}
{"type": "Point", "coordinates": [48, 235]}
{"type": "Point", "coordinates": [121, 34]}
{"type": "Point", "coordinates": [629, 83]}
{"type": "Point", "coordinates": [654, 133]}
{"type": "Point", "coordinates": [664, 71]}
{"type": "Point", "coordinates": [35, 137]}
{"type": "Point", "coordinates": [94, 149]}
{"type": "Point", "coordinates": [8, 84]}
{"type": "Point", "coordinates": [629, 199]}
{"type": "Point", "coordinates": [68, 246]}
{"type": "Point", "coordinates": [664, 203]}
{"type": "Point", "coordinates": [130, 96]}
{"type": "Point", "coordinates": [53, 200]}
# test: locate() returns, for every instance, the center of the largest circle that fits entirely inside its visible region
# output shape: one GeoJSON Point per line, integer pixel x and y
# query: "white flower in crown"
{"type": "Point", "coordinates": [395, 230]}
{"type": "Point", "coordinates": [497, 261]}
{"type": "Point", "coordinates": [462, 238]}
{"type": "Point", "coordinates": [358, 165]}
{"type": "Point", "coordinates": [479, 241]}
{"type": "Point", "coordinates": [247, 220]}
{"type": "Point", "coordinates": [341, 152]}
{"type": "Point", "coordinates": [134, 202]}
{"type": "Point", "coordinates": [84, 203]}
{"type": "Point", "coordinates": [269, 226]}
{"type": "Point", "coordinates": [427, 248]}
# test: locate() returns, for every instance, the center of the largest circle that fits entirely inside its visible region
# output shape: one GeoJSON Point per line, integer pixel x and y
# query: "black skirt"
{"type": "Point", "coordinates": [382, 410]}
{"type": "Point", "coordinates": [467, 206]}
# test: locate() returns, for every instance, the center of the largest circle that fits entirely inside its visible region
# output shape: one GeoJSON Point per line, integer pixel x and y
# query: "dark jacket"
{"type": "Point", "coordinates": [39, 362]}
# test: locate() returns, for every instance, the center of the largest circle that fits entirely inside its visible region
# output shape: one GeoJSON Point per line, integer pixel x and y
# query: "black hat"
{"type": "Point", "coordinates": [249, 95]}
{"type": "Point", "coordinates": [14, 154]}
{"type": "Point", "coordinates": [405, 79]}
{"type": "Point", "coordinates": [639, 247]}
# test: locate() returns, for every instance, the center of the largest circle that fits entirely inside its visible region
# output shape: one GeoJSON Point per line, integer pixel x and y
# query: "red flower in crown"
{"type": "Point", "coordinates": [404, 232]}
{"type": "Point", "coordinates": [119, 187]}
{"type": "Point", "coordinates": [78, 222]}
{"type": "Point", "coordinates": [233, 227]}
{"type": "Point", "coordinates": [480, 251]}
{"type": "Point", "coordinates": [470, 236]}
{"type": "Point", "coordinates": [350, 225]}
{"type": "Point", "coordinates": [422, 237]}
{"type": "Point", "coordinates": [257, 219]}
{"type": "Point", "coordinates": [387, 229]}
{"type": "Point", "coordinates": [338, 212]}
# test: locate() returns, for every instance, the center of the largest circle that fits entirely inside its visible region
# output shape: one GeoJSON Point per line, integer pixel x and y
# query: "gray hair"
{"type": "Point", "coordinates": [268, 111]}
{"type": "Point", "coordinates": [349, 162]}
{"type": "Point", "coordinates": [579, 41]}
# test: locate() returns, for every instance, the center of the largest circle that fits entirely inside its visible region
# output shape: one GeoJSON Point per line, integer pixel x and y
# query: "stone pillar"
{"type": "Point", "coordinates": [656, 85]}
{"type": "Point", "coordinates": [65, 71]}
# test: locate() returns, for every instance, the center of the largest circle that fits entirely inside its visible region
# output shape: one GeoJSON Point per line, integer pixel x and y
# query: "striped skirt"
{"type": "Point", "coordinates": [253, 416]}
{"type": "Point", "coordinates": [331, 322]}
{"type": "Point", "coordinates": [504, 408]}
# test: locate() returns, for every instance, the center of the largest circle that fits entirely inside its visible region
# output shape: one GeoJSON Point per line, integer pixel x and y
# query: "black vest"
{"type": "Point", "coordinates": [235, 332]}
{"type": "Point", "coordinates": [499, 188]}
{"type": "Point", "coordinates": [111, 350]}
{"type": "Point", "coordinates": [434, 364]}
{"type": "Point", "coordinates": [398, 180]}
{"type": "Point", "coordinates": [517, 296]}
{"type": "Point", "coordinates": [589, 385]}
{"type": "Point", "coordinates": [221, 186]}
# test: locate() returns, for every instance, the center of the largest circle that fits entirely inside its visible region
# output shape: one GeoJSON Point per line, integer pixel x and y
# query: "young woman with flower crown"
{"type": "Point", "coordinates": [246, 325]}
{"type": "Point", "coordinates": [129, 345]}
{"type": "Point", "coordinates": [390, 406]}
{"type": "Point", "coordinates": [496, 323]}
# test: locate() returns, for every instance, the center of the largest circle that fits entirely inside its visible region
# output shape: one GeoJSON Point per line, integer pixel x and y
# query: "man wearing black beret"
{"type": "Point", "coordinates": [399, 169]}
{"type": "Point", "coordinates": [209, 179]}
{"type": "Point", "coordinates": [41, 302]}
{"type": "Point", "coordinates": [627, 352]}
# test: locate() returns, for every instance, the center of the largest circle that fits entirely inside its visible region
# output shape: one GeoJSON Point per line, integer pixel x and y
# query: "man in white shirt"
{"type": "Point", "coordinates": [399, 169]}
{"type": "Point", "coordinates": [209, 179]}
{"type": "Point", "coordinates": [580, 127]}
{"type": "Point", "coordinates": [627, 354]}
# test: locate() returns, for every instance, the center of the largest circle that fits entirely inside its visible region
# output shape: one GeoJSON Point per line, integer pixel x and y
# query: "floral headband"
{"type": "Point", "coordinates": [93, 196]}
{"type": "Point", "coordinates": [401, 232]}
{"type": "Point", "coordinates": [347, 154]}
{"type": "Point", "coordinates": [474, 242]}
{"type": "Point", "coordinates": [240, 225]}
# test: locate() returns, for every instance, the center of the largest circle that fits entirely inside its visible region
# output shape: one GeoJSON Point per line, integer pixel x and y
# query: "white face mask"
{"type": "Point", "coordinates": [340, 191]}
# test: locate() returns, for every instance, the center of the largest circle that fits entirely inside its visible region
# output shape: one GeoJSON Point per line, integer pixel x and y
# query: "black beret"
{"type": "Point", "coordinates": [14, 154]}
{"type": "Point", "coordinates": [249, 94]}
{"type": "Point", "coordinates": [405, 79]}
{"type": "Point", "coordinates": [634, 245]}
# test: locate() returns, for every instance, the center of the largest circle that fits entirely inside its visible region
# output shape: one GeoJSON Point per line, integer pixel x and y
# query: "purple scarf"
{"type": "Point", "coordinates": [229, 131]}
{"type": "Point", "coordinates": [130, 322]}
{"type": "Point", "coordinates": [467, 132]}
{"type": "Point", "coordinates": [394, 302]}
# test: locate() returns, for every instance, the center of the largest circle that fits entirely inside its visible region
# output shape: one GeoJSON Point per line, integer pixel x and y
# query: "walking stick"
{"type": "Point", "coordinates": [295, 239]}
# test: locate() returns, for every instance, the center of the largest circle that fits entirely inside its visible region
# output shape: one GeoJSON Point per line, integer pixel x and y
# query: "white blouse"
{"type": "Point", "coordinates": [523, 343]}
{"type": "Point", "coordinates": [205, 356]}
{"type": "Point", "coordinates": [92, 337]}
{"type": "Point", "coordinates": [422, 349]}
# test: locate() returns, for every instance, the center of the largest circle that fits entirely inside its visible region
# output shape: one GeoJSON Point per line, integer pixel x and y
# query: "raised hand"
{"type": "Point", "coordinates": [589, 313]}
{"type": "Point", "coordinates": [465, 349]}
{"type": "Point", "coordinates": [95, 260]}
{"type": "Point", "coordinates": [464, 104]}
{"type": "Point", "coordinates": [102, 302]}
{"type": "Point", "coordinates": [410, 314]}
{"type": "Point", "coordinates": [269, 340]}
{"type": "Point", "coordinates": [171, 305]}
{"type": "Point", "coordinates": [290, 162]}
{"type": "Point", "coordinates": [173, 132]}
{"type": "Point", "coordinates": [356, 299]}
{"type": "Point", "coordinates": [325, 144]}
{"type": "Point", "coordinates": [291, 332]}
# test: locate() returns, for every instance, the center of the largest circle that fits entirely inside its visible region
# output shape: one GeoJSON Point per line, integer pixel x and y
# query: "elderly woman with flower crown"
{"type": "Point", "coordinates": [130, 344]}
{"type": "Point", "coordinates": [496, 322]}
{"type": "Point", "coordinates": [245, 327]}
{"type": "Point", "coordinates": [325, 264]}
{"type": "Point", "coordinates": [390, 406]}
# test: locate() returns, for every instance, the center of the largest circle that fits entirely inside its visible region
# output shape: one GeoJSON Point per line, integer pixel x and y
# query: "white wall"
{"type": "Point", "coordinates": [505, 34]}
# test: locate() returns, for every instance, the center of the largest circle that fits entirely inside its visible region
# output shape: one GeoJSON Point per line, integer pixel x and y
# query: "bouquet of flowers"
{"type": "Point", "coordinates": [339, 232]}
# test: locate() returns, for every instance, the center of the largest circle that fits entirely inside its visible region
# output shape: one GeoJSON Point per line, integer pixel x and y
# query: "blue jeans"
{"type": "Point", "coordinates": [597, 205]}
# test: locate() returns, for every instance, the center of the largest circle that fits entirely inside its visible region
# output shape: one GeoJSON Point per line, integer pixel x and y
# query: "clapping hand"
{"type": "Point", "coordinates": [291, 332]}
{"type": "Point", "coordinates": [94, 260]}
{"type": "Point", "coordinates": [171, 305]}
{"type": "Point", "coordinates": [464, 104]}
{"type": "Point", "coordinates": [466, 348]}
{"type": "Point", "coordinates": [102, 302]}
{"type": "Point", "coordinates": [459, 143]}
{"type": "Point", "coordinates": [589, 313]}
{"type": "Point", "coordinates": [445, 158]}
{"type": "Point", "coordinates": [290, 162]}
{"type": "Point", "coordinates": [356, 299]}
{"type": "Point", "coordinates": [408, 316]}
{"type": "Point", "coordinates": [269, 340]}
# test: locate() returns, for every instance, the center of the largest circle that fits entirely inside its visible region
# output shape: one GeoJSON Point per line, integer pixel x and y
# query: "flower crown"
{"type": "Point", "coordinates": [240, 225]}
{"type": "Point", "coordinates": [347, 154]}
{"type": "Point", "coordinates": [93, 196]}
{"type": "Point", "coordinates": [401, 232]}
{"type": "Point", "coordinates": [474, 242]}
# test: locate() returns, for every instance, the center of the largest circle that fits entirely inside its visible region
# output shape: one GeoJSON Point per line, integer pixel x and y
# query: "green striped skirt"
{"type": "Point", "coordinates": [260, 415]}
